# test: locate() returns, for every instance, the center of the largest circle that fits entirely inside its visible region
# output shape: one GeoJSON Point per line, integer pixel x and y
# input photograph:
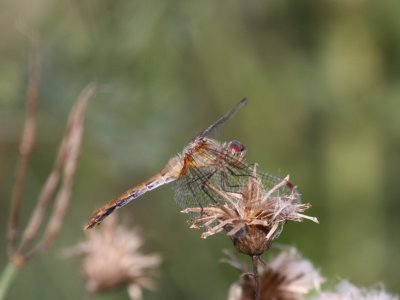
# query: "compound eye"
{"type": "Point", "coordinates": [236, 147]}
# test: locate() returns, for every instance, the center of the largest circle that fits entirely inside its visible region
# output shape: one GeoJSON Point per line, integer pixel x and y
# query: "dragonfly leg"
{"type": "Point", "coordinates": [225, 184]}
{"type": "Point", "coordinates": [194, 195]}
{"type": "Point", "coordinates": [233, 173]}
{"type": "Point", "coordinates": [202, 179]}
{"type": "Point", "coordinates": [205, 190]}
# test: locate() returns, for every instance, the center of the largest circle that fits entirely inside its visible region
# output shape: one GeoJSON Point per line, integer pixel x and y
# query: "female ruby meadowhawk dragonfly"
{"type": "Point", "coordinates": [203, 163]}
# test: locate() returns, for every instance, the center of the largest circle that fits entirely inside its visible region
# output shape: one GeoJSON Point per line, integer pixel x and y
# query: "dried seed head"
{"type": "Point", "coordinates": [251, 239]}
{"type": "Point", "coordinates": [346, 291]}
{"type": "Point", "coordinates": [111, 259]}
{"type": "Point", "coordinates": [287, 277]}
{"type": "Point", "coordinates": [252, 217]}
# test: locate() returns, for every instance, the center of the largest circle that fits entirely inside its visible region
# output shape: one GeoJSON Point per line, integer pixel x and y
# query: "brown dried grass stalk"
{"type": "Point", "coordinates": [20, 248]}
{"type": "Point", "coordinates": [63, 169]}
{"type": "Point", "coordinates": [26, 145]}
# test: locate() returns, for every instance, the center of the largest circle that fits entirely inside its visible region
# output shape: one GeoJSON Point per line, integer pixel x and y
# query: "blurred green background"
{"type": "Point", "coordinates": [323, 80]}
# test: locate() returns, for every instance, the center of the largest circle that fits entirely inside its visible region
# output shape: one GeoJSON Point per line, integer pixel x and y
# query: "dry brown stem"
{"type": "Point", "coordinates": [69, 153]}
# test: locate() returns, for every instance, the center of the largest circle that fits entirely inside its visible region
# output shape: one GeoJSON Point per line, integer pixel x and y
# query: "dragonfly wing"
{"type": "Point", "coordinates": [211, 130]}
{"type": "Point", "coordinates": [278, 187]}
{"type": "Point", "coordinates": [216, 177]}
{"type": "Point", "coordinates": [192, 189]}
{"type": "Point", "coordinates": [211, 169]}
{"type": "Point", "coordinates": [237, 171]}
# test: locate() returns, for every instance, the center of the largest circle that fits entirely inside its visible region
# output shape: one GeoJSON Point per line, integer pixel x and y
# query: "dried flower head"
{"type": "Point", "coordinates": [111, 259]}
{"type": "Point", "coordinates": [347, 291]}
{"type": "Point", "coordinates": [252, 217]}
{"type": "Point", "coordinates": [287, 277]}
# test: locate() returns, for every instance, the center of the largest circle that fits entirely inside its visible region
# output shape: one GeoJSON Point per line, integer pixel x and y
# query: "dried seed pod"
{"type": "Point", "coordinates": [251, 239]}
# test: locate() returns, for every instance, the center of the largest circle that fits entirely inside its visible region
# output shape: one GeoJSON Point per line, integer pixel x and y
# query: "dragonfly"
{"type": "Point", "coordinates": [203, 164]}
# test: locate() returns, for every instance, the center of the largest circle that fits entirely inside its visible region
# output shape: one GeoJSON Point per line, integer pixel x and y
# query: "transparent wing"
{"type": "Point", "coordinates": [211, 130]}
{"type": "Point", "coordinates": [223, 178]}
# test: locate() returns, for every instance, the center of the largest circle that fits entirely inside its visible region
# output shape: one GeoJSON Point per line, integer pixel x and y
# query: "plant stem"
{"type": "Point", "coordinates": [256, 277]}
{"type": "Point", "coordinates": [6, 278]}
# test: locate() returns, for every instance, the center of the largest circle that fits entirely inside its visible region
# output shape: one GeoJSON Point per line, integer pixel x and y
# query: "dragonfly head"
{"type": "Point", "coordinates": [237, 149]}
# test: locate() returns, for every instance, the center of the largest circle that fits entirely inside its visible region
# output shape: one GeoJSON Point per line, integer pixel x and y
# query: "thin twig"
{"type": "Point", "coordinates": [26, 145]}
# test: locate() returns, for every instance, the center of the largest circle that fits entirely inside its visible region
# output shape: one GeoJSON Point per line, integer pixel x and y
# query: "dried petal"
{"type": "Point", "coordinates": [253, 217]}
{"type": "Point", "coordinates": [347, 291]}
{"type": "Point", "coordinates": [287, 277]}
{"type": "Point", "coordinates": [111, 259]}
